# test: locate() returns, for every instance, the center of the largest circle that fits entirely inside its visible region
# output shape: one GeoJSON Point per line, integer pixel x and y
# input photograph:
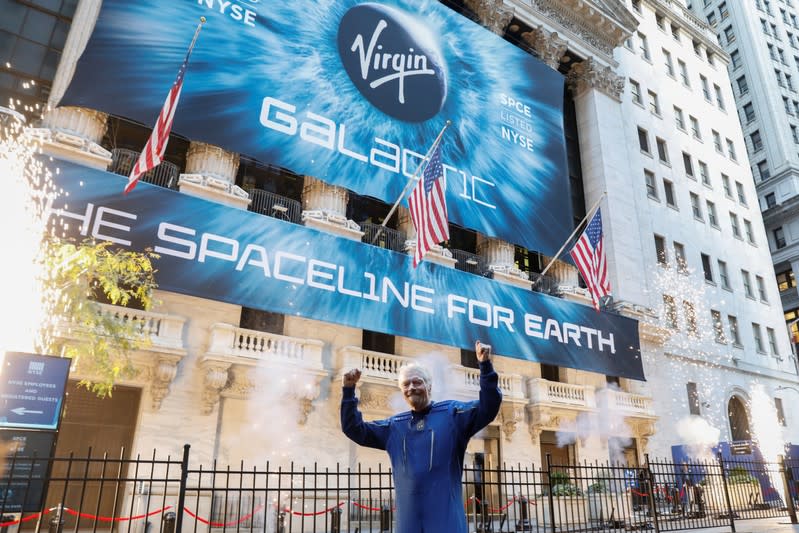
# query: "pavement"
{"type": "Point", "coordinates": [780, 524]}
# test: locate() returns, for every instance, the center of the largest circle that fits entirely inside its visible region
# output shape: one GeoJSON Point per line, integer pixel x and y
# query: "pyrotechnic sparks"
{"type": "Point", "coordinates": [767, 432]}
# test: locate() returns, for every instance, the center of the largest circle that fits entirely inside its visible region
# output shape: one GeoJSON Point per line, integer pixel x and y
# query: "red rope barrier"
{"type": "Point", "coordinates": [644, 494]}
{"type": "Point", "coordinates": [356, 504]}
{"type": "Point", "coordinates": [114, 518]}
{"type": "Point", "coordinates": [317, 513]}
{"type": "Point", "coordinates": [222, 524]}
{"type": "Point", "coordinates": [21, 520]}
{"type": "Point", "coordinates": [492, 509]}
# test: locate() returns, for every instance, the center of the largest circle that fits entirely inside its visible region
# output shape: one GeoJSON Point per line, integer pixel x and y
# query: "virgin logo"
{"type": "Point", "coordinates": [393, 60]}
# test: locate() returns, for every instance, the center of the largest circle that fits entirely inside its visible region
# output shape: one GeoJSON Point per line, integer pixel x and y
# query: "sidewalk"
{"type": "Point", "coordinates": [781, 524]}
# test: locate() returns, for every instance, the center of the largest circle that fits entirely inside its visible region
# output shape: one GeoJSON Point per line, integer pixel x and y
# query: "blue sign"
{"type": "Point", "coordinates": [352, 93]}
{"type": "Point", "coordinates": [218, 252]}
{"type": "Point", "coordinates": [32, 390]}
{"type": "Point", "coordinates": [24, 469]}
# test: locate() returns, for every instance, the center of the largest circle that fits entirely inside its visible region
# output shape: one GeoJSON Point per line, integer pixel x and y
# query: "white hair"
{"type": "Point", "coordinates": [415, 368]}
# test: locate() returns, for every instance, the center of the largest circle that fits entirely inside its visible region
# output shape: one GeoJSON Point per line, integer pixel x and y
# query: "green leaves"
{"type": "Point", "coordinates": [81, 278]}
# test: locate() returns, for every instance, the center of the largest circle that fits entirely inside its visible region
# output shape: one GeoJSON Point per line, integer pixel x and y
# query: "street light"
{"type": "Point", "coordinates": [783, 387]}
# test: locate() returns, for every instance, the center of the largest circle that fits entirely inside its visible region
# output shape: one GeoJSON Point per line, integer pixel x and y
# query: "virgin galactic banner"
{"type": "Point", "coordinates": [351, 93]}
{"type": "Point", "coordinates": [218, 252]}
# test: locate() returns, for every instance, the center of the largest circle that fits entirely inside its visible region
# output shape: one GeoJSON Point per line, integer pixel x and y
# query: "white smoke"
{"type": "Point", "coordinates": [698, 436]}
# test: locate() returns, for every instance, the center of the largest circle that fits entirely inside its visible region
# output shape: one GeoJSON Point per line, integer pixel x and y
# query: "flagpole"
{"type": "Point", "coordinates": [411, 180]}
{"type": "Point", "coordinates": [196, 34]}
{"type": "Point", "coordinates": [576, 229]}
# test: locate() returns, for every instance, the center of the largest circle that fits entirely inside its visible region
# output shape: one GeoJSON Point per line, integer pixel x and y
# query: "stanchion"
{"type": "Point", "coordinates": [169, 522]}
{"type": "Point", "coordinates": [523, 523]}
{"type": "Point", "coordinates": [335, 520]}
{"type": "Point", "coordinates": [57, 520]}
{"type": "Point", "coordinates": [385, 518]}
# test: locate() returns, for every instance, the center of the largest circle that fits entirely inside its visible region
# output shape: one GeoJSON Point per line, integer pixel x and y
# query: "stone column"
{"type": "Point", "coordinates": [211, 174]}
{"type": "Point", "coordinates": [563, 273]}
{"type": "Point", "coordinates": [324, 207]}
{"type": "Point", "coordinates": [548, 46]}
{"type": "Point", "coordinates": [500, 256]}
{"type": "Point", "coordinates": [597, 95]}
{"type": "Point", "coordinates": [437, 254]}
{"type": "Point", "coordinates": [74, 133]}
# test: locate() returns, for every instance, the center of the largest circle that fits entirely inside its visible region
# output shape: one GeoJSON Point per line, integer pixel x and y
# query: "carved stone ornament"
{"type": "Point", "coordinates": [510, 416]}
{"type": "Point", "coordinates": [589, 74]}
{"type": "Point", "coordinates": [548, 45]}
{"type": "Point", "coordinates": [162, 376]}
{"type": "Point", "coordinates": [215, 377]}
{"type": "Point", "coordinates": [493, 14]}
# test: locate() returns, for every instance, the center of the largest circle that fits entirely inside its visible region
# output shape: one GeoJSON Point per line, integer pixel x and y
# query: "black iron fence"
{"type": "Point", "coordinates": [168, 495]}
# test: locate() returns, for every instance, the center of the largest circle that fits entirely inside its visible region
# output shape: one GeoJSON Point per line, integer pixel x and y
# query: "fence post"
{"type": "Point", "coordinates": [787, 482]}
{"type": "Point", "coordinates": [551, 497]}
{"type": "Point", "coordinates": [726, 493]}
{"type": "Point", "coordinates": [57, 521]}
{"type": "Point", "coordinates": [184, 476]}
{"type": "Point", "coordinates": [385, 518]}
{"type": "Point", "coordinates": [653, 508]}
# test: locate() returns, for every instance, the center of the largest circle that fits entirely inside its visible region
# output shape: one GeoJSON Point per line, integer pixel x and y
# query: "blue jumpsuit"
{"type": "Point", "coordinates": [426, 451]}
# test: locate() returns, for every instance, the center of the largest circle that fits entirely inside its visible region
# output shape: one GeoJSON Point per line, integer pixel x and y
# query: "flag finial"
{"type": "Point", "coordinates": [202, 20]}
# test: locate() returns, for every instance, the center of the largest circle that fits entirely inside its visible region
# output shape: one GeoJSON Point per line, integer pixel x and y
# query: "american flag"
{"type": "Point", "coordinates": [589, 256]}
{"type": "Point", "coordinates": [153, 151]}
{"type": "Point", "coordinates": [428, 206]}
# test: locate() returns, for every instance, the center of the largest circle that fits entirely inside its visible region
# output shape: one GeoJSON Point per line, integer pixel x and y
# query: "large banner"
{"type": "Point", "coordinates": [222, 253]}
{"type": "Point", "coordinates": [350, 92]}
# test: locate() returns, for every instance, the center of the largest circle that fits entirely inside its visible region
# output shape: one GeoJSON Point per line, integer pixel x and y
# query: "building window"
{"type": "Point", "coordinates": [723, 12]}
{"type": "Point", "coordinates": [780, 411]}
{"type": "Point", "coordinates": [718, 328]}
{"type": "Point", "coordinates": [635, 92]}
{"type": "Point", "coordinates": [683, 73]}
{"type": "Point", "coordinates": [690, 318]}
{"type": "Point", "coordinates": [749, 112]}
{"type": "Point", "coordinates": [794, 134]}
{"type": "Point", "coordinates": [693, 399]}
{"type": "Point", "coordinates": [763, 170]}
{"type": "Point", "coordinates": [743, 87]}
{"type": "Point", "coordinates": [696, 208]}
{"type": "Point", "coordinates": [758, 336]}
{"type": "Point", "coordinates": [735, 57]}
{"type": "Point", "coordinates": [725, 184]}
{"type": "Point", "coordinates": [772, 342]}
{"type": "Point", "coordinates": [668, 62]}
{"type": "Point", "coordinates": [643, 140]}
{"type": "Point", "coordinates": [705, 87]}
{"type": "Point", "coordinates": [637, 5]}
{"type": "Point", "coordinates": [747, 281]}
{"type": "Point", "coordinates": [750, 234]}
{"type": "Point", "coordinates": [663, 152]}
{"type": "Point", "coordinates": [739, 189]}
{"type": "Point", "coordinates": [711, 214]}
{"type": "Point", "coordinates": [654, 104]}
{"type": "Point", "coordinates": [679, 118]}
{"type": "Point", "coordinates": [668, 190]}
{"type": "Point", "coordinates": [729, 34]}
{"type": "Point", "coordinates": [761, 288]}
{"type": "Point", "coordinates": [731, 150]}
{"type": "Point", "coordinates": [679, 257]}
{"type": "Point", "coordinates": [697, 48]}
{"type": "Point", "coordinates": [675, 32]}
{"type": "Point", "coordinates": [757, 141]}
{"type": "Point", "coordinates": [719, 97]}
{"type": "Point", "coordinates": [651, 186]}
{"type": "Point", "coordinates": [771, 200]}
{"type": "Point", "coordinates": [717, 142]}
{"type": "Point", "coordinates": [736, 228]}
{"type": "Point", "coordinates": [786, 280]}
{"type": "Point", "coordinates": [688, 165]}
{"type": "Point", "coordinates": [704, 174]}
{"type": "Point", "coordinates": [669, 312]}
{"type": "Point", "coordinates": [724, 277]}
{"type": "Point", "coordinates": [695, 128]}
{"type": "Point", "coordinates": [660, 20]}
{"type": "Point", "coordinates": [644, 46]}
{"type": "Point", "coordinates": [779, 238]}
{"type": "Point", "coordinates": [660, 250]}
{"type": "Point", "coordinates": [708, 271]}
{"type": "Point", "coordinates": [735, 335]}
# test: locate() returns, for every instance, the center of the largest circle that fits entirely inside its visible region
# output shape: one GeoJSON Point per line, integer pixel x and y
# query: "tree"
{"type": "Point", "coordinates": [99, 341]}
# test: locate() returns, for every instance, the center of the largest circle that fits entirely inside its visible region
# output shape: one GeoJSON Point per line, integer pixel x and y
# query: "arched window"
{"type": "Point", "coordinates": [739, 419]}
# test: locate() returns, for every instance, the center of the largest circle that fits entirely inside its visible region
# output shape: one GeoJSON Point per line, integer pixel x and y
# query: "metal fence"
{"type": "Point", "coordinates": [383, 237]}
{"type": "Point", "coordinates": [166, 174]}
{"type": "Point", "coordinates": [168, 495]}
{"type": "Point", "coordinates": [273, 205]}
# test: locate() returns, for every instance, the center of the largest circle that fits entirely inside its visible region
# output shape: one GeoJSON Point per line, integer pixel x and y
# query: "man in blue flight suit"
{"type": "Point", "coordinates": [426, 445]}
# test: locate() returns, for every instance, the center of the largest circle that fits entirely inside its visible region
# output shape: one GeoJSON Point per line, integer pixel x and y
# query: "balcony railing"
{"type": "Point", "coordinates": [373, 364]}
{"type": "Point", "coordinates": [248, 344]}
{"type": "Point", "coordinates": [164, 175]}
{"type": "Point", "coordinates": [273, 205]}
{"type": "Point", "coordinates": [554, 392]}
{"type": "Point", "coordinates": [471, 263]}
{"type": "Point", "coordinates": [388, 238]}
{"type": "Point", "coordinates": [629, 403]}
{"type": "Point", "coordinates": [163, 330]}
{"type": "Point", "coordinates": [510, 384]}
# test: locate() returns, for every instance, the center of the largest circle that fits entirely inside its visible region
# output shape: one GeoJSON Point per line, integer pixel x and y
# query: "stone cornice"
{"type": "Point", "coordinates": [600, 24]}
{"type": "Point", "coordinates": [493, 14]}
{"type": "Point", "coordinates": [589, 74]}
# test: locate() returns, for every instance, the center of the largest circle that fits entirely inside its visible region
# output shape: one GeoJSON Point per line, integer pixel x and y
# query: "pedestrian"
{"type": "Point", "coordinates": [426, 445]}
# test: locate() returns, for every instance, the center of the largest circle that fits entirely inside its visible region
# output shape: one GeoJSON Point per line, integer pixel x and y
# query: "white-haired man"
{"type": "Point", "coordinates": [426, 445]}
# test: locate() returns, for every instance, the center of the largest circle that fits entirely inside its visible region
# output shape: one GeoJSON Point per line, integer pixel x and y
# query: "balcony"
{"type": "Point", "coordinates": [388, 238]}
{"type": "Point", "coordinates": [628, 403]}
{"type": "Point", "coordinates": [471, 263]}
{"type": "Point", "coordinates": [163, 331]}
{"type": "Point", "coordinates": [250, 347]}
{"type": "Point", "coordinates": [164, 175]}
{"type": "Point", "coordinates": [276, 206]}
